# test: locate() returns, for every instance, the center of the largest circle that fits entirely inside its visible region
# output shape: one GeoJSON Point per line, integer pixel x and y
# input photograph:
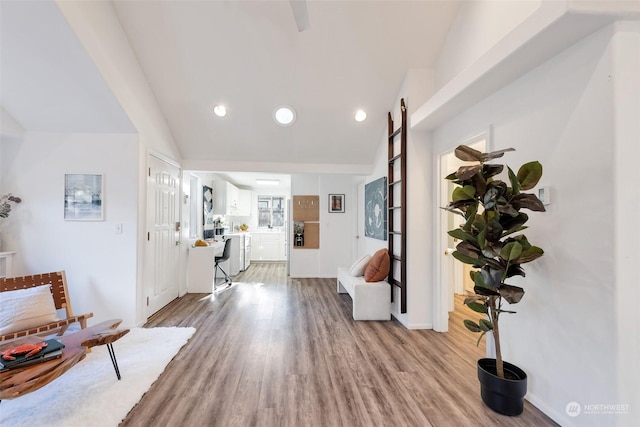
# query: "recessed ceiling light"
{"type": "Point", "coordinates": [260, 181]}
{"type": "Point", "coordinates": [360, 116]}
{"type": "Point", "coordinates": [220, 110]}
{"type": "Point", "coordinates": [284, 115]}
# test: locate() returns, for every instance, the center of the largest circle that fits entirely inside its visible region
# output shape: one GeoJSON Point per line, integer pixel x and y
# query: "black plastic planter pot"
{"type": "Point", "coordinates": [503, 395]}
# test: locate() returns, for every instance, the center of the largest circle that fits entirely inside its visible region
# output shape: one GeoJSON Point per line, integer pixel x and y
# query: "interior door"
{"type": "Point", "coordinates": [162, 251]}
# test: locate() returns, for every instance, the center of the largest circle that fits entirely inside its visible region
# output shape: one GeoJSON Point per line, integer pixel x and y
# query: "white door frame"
{"type": "Point", "coordinates": [441, 286]}
{"type": "Point", "coordinates": [147, 262]}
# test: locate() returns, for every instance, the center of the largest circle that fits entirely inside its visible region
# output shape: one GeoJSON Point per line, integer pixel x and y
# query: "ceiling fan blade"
{"type": "Point", "coordinates": [299, 8]}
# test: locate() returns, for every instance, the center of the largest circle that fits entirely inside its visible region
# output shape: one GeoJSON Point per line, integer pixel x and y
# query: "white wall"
{"type": "Point", "coordinates": [100, 264]}
{"type": "Point", "coordinates": [98, 28]}
{"type": "Point", "coordinates": [9, 127]}
{"type": "Point", "coordinates": [336, 229]}
{"type": "Point", "coordinates": [416, 88]}
{"type": "Point", "coordinates": [626, 96]}
{"type": "Point", "coordinates": [479, 25]}
{"type": "Point", "coordinates": [562, 114]}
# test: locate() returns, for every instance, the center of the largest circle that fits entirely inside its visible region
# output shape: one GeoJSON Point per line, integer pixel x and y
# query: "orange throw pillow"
{"type": "Point", "coordinates": [378, 268]}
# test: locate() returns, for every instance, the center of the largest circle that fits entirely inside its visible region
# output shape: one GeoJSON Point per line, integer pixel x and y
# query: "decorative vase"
{"type": "Point", "coordinates": [503, 395]}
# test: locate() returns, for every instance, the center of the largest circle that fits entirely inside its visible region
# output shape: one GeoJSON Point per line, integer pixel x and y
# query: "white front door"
{"type": "Point", "coordinates": [162, 251]}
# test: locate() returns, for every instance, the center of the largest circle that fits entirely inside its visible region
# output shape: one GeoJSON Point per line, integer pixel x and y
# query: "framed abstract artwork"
{"type": "Point", "coordinates": [375, 209]}
{"type": "Point", "coordinates": [83, 197]}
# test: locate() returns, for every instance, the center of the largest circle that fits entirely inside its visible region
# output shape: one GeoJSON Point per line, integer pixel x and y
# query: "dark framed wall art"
{"type": "Point", "coordinates": [336, 203]}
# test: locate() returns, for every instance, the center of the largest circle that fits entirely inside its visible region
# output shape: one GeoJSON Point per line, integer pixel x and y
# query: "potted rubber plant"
{"type": "Point", "coordinates": [491, 240]}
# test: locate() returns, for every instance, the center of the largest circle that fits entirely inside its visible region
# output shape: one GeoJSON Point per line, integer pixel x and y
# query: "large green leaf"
{"type": "Point", "coordinates": [511, 223]}
{"type": "Point", "coordinates": [492, 277]}
{"type": "Point", "coordinates": [463, 193]}
{"type": "Point", "coordinates": [496, 264]}
{"type": "Point", "coordinates": [506, 208]}
{"type": "Point", "coordinates": [522, 239]}
{"type": "Point", "coordinates": [479, 181]}
{"type": "Point", "coordinates": [511, 251]}
{"type": "Point", "coordinates": [527, 201]}
{"type": "Point", "coordinates": [490, 198]}
{"type": "Point", "coordinates": [470, 215]}
{"type": "Point", "coordinates": [467, 259]}
{"type": "Point", "coordinates": [465, 173]}
{"type": "Point", "coordinates": [472, 326]}
{"type": "Point", "coordinates": [468, 249]}
{"type": "Point", "coordinates": [485, 291]}
{"type": "Point", "coordinates": [515, 269]}
{"type": "Point", "coordinates": [485, 325]}
{"type": "Point", "coordinates": [460, 234]}
{"type": "Point", "coordinates": [514, 230]}
{"type": "Point", "coordinates": [452, 176]}
{"type": "Point", "coordinates": [495, 154]}
{"type": "Point", "coordinates": [515, 184]}
{"type": "Point", "coordinates": [529, 174]}
{"type": "Point", "coordinates": [480, 338]}
{"type": "Point", "coordinates": [494, 231]}
{"type": "Point", "coordinates": [476, 276]}
{"type": "Point", "coordinates": [474, 298]}
{"type": "Point", "coordinates": [530, 254]}
{"type": "Point", "coordinates": [468, 154]}
{"type": "Point", "coordinates": [491, 170]}
{"type": "Point", "coordinates": [453, 210]}
{"type": "Point", "coordinates": [460, 204]}
{"type": "Point", "coordinates": [477, 307]}
{"type": "Point", "coordinates": [512, 294]}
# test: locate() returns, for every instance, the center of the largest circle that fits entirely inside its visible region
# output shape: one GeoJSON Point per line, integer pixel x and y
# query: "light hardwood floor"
{"type": "Point", "coordinates": [275, 351]}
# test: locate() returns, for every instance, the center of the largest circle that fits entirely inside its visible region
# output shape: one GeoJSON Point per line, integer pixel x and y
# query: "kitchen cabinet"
{"type": "Point", "coordinates": [230, 200]}
{"type": "Point", "coordinates": [268, 246]}
{"type": "Point", "coordinates": [244, 202]}
{"type": "Point", "coordinates": [225, 197]}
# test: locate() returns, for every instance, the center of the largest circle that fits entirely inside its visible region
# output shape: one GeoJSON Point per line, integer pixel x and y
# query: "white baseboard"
{"type": "Point", "coordinates": [561, 419]}
{"type": "Point", "coordinates": [411, 325]}
{"type": "Point", "coordinates": [420, 326]}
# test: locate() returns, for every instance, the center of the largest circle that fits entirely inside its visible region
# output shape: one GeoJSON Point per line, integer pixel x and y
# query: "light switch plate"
{"type": "Point", "coordinates": [544, 194]}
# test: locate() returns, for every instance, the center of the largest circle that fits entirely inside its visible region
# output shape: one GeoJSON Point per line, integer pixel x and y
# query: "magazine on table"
{"type": "Point", "coordinates": [52, 350]}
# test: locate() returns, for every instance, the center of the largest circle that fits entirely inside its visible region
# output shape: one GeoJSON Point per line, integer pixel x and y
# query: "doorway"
{"type": "Point", "coordinates": [452, 276]}
{"type": "Point", "coordinates": [161, 272]}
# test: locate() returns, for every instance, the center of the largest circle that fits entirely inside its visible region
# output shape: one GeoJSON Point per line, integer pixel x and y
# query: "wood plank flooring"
{"type": "Point", "coordinates": [275, 351]}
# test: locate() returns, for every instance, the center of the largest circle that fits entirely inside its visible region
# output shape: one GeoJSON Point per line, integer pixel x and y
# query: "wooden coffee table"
{"type": "Point", "coordinates": [17, 382]}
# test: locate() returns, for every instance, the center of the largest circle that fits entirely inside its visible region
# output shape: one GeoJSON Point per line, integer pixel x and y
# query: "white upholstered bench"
{"type": "Point", "coordinates": [371, 300]}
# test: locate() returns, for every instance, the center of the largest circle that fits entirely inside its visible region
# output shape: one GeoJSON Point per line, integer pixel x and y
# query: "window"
{"type": "Point", "coordinates": [271, 211]}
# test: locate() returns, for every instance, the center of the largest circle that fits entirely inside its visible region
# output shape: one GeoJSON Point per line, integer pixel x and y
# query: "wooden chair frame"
{"type": "Point", "coordinates": [60, 293]}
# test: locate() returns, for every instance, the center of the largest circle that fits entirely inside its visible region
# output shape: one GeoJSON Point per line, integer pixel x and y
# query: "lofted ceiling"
{"type": "Point", "coordinates": [250, 56]}
{"type": "Point", "coordinates": [247, 55]}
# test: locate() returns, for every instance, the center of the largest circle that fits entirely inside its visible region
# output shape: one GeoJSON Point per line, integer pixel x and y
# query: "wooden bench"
{"type": "Point", "coordinates": [371, 300]}
{"type": "Point", "coordinates": [58, 282]}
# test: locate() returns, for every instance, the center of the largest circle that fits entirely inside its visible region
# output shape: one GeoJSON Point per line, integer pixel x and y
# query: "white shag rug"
{"type": "Point", "coordinates": [89, 394]}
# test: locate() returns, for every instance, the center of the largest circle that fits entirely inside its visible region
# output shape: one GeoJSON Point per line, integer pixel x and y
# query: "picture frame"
{"type": "Point", "coordinates": [83, 197]}
{"type": "Point", "coordinates": [336, 203]}
{"type": "Point", "coordinates": [375, 209]}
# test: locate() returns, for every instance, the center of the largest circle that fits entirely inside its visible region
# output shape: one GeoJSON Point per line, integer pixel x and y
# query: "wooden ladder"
{"type": "Point", "coordinates": [397, 207]}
